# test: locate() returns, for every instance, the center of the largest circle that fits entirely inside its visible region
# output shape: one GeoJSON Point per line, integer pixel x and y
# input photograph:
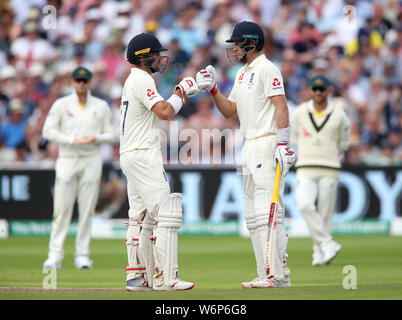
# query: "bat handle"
{"type": "Point", "coordinates": [278, 174]}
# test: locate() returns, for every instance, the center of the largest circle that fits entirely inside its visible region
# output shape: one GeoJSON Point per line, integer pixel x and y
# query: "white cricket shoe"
{"type": "Point", "coordinates": [318, 259]}
{"type": "Point", "coordinates": [248, 284]}
{"type": "Point", "coordinates": [177, 286]}
{"type": "Point", "coordinates": [83, 262]}
{"type": "Point", "coordinates": [272, 283]}
{"type": "Point", "coordinates": [52, 263]}
{"type": "Point", "coordinates": [330, 251]}
{"type": "Point", "coordinates": [138, 284]}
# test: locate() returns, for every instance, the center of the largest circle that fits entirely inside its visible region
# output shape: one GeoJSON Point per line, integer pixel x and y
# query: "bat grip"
{"type": "Point", "coordinates": [275, 195]}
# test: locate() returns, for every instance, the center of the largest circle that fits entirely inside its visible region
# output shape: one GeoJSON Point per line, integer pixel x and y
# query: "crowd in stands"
{"type": "Point", "coordinates": [357, 44]}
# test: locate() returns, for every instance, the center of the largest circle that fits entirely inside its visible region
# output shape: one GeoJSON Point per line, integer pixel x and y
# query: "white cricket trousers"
{"type": "Point", "coordinates": [147, 183]}
{"type": "Point", "coordinates": [77, 178]}
{"type": "Point", "coordinates": [259, 176]}
{"type": "Point", "coordinates": [316, 198]}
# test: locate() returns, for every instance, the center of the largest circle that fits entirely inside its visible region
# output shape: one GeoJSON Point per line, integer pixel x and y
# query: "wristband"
{"type": "Point", "coordinates": [282, 135]}
{"type": "Point", "coordinates": [214, 90]}
{"type": "Point", "coordinates": [176, 102]}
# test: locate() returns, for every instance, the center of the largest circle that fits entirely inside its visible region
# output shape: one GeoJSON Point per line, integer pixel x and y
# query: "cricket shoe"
{"type": "Point", "coordinates": [52, 263]}
{"type": "Point", "coordinates": [248, 284]}
{"type": "Point", "coordinates": [330, 251]}
{"type": "Point", "coordinates": [177, 285]}
{"type": "Point", "coordinates": [138, 284]}
{"type": "Point", "coordinates": [83, 262]}
{"type": "Point", "coordinates": [318, 259]}
{"type": "Point", "coordinates": [272, 283]}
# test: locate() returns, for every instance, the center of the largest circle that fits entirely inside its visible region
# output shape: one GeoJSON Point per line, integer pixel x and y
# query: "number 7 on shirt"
{"type": "Point", "coordinates": [125, 103]}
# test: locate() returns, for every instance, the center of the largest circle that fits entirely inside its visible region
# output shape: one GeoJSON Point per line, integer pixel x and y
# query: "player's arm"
{"type": "Point", "coordinates": [282, 111]}
{"type": "Point", "coordinates": [206, 80]}
{"type": "Point", "coordinates": [224, 105]}
{"type": "Point", "coordinates": [344, 134]}
{"type": "Point", "coordinates": [51, 128]}
{"type": "Point", "coordinates": [284, 154]}
{"type": "Point", "coordinates": [165, 110]}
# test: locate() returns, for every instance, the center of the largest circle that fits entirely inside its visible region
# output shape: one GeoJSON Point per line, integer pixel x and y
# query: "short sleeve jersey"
{"type": "Point", "coordinates": [255, 83]}
{"type": "Point", "coordinates": [138, 123]}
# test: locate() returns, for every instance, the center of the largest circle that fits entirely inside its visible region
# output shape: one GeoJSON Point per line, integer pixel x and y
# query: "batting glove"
{"type": "Point", "coordinates": [206, 80]}
{"type": "Point", "coordinates": [188, 87]}
{"type": "Point", "coordinates": [285, 156]}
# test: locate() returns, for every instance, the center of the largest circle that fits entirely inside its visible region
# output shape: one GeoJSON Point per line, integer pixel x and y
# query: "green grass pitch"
{"type": "Point", "coordinates": [217, 266]}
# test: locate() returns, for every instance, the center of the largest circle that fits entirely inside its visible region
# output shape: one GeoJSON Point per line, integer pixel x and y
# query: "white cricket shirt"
{"type": "Point", "coordinates": [255, 83]}
{"type": "Point", "coordinates": [319, 140]}
{"type": "Point", "coordinates": [138, 124]}
{"type": "Point", "coordinates": [66, 121]}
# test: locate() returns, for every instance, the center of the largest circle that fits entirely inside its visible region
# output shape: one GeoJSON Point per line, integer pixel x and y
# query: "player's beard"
{"type": "Point", "coordinates": [155, 65]}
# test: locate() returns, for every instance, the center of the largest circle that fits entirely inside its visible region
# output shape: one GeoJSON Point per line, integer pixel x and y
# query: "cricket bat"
{"type": "Point", "coordinates": [272, 223]}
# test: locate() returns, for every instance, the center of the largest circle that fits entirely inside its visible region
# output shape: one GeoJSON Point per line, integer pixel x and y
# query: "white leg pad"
{"type": "Point", "coordinates": [146, 248]}
{"type": "Point", "coordinates": [134, 269]}
{"type": "Point", "coordinates": [255, 235]}
{"type": "Point", "coordinates": [169, 221]}
{"type": "Point", "coordinates": [261, 209]}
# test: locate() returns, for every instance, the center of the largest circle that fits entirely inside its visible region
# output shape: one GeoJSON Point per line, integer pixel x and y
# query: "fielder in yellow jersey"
{"type": "Point", "coordinates": [155, 214]}
{"type": "Point", "coordinates": [79, 123]}
{"type": "Point", "coordinates": [258, 98]}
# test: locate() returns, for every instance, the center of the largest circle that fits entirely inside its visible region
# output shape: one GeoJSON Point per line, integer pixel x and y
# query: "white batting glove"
{"type": "Point", "coordinates": [285, 156]}
{"type": "Point", "coordinates": [188, 87]}
{"type": "Point", "coordinates": [206, 80]}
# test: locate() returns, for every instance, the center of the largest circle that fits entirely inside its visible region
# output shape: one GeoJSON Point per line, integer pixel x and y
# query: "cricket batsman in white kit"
{"type": "Point", "coordinates": [155, 214]}
{"type": "Point", "coordinates": [258, 98]}
{"type": "Point", "coordinates": [321, 133]}
{"type": "Point", "coordinates": [79, 123]}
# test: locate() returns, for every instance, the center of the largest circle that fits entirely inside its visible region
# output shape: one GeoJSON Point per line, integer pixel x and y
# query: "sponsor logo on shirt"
{"type": "Point", "coordinates": [305, 132]}
{"type": "Point", "coordinates": [150, 93]}
{"type": "Point", "coordinates": [276, 84]}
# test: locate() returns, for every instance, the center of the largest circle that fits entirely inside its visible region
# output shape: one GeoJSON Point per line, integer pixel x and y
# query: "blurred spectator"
{"type": "Point", "coordinates": [30, 48]}
{"type": "Point", "coordinates": [112, 58]}
{"type": "Point", "coordinates": [13, 130]}
{"type": "Point", "coordinates": [188, 36]}
{"type": "Point", "coordinates": [304, 43]}
{"type": "Point", "coordinates": [359, 50]}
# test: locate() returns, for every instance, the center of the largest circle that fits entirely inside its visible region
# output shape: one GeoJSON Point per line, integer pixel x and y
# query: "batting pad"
{"type": "Point", "coordinates": [134, 269]}
{"type": "Point", "coordinates": [146, 248]}
{"type": "Point", "coordinates": [260, 236]}
{"type": "Point", "coordinates": [169, 220]}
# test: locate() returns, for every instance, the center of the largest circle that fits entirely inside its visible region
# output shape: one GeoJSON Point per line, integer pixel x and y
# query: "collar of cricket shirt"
{"type": "Point", "coordinates": [328, 109]}
{"type": "Point", "coordinates": [75, 97]}
{"type": "Point", "coordinates": [255, 62]}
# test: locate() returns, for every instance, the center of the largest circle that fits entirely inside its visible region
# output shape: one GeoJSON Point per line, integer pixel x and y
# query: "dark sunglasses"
{"type": "Point", "coordinates": [81, 80]}
{"type": "Point", "coordinates": [319, 89]}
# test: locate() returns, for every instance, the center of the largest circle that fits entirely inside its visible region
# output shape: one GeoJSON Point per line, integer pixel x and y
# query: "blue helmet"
{"type": "Point", "coordinates": [246, 31]}
{"type": "Point", "coordinates": [140, 47]}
